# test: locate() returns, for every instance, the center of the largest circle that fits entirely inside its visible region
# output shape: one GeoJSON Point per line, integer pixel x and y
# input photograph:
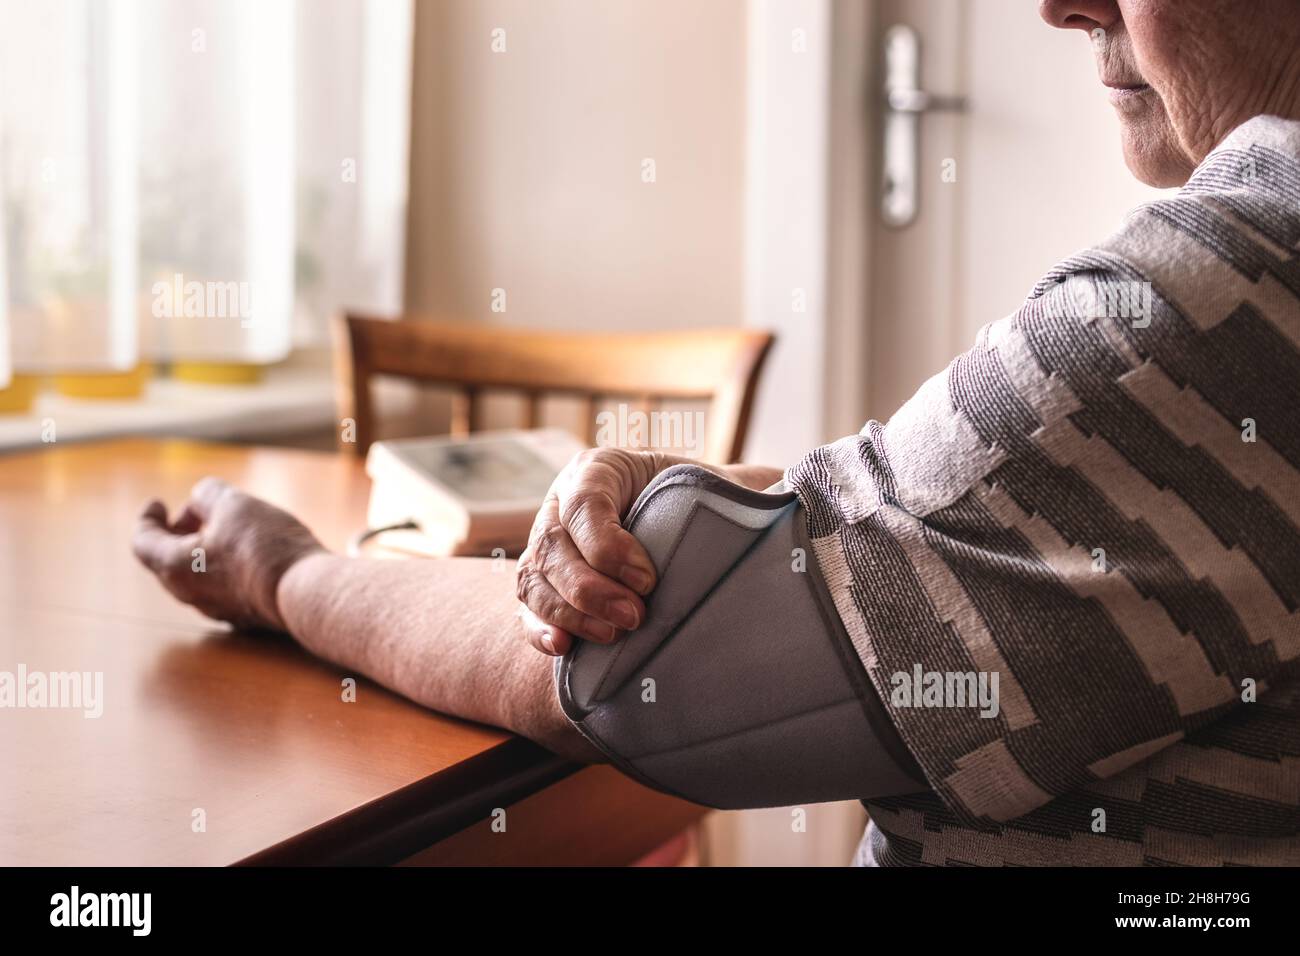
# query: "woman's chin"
{"type": "Point", "coordinates": [1152, 150]}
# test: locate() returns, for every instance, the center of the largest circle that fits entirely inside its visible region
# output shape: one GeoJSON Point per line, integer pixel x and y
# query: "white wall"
{"type": "Point", "coordinates": [527, 165]}
{"type": "Point", "coordinates": [787, 219]}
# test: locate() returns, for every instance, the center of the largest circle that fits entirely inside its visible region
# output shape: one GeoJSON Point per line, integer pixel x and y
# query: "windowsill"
{"type": "Point", "coordinates": [293, 397]}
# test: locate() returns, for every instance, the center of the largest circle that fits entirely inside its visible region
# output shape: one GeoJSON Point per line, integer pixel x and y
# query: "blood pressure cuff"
{"type": "Point", "coordinates": [740, 688]}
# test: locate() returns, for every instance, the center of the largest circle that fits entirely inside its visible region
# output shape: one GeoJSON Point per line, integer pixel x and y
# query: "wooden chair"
{"type": "Point", "coordinates": [719, 366]}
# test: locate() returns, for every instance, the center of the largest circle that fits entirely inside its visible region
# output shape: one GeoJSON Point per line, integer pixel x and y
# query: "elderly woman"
{"type": "Point", "coordinates": [1098, 505]}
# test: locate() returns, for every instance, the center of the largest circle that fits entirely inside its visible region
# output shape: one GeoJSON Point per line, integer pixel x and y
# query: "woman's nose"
{"type": "Point", "coordinates": [1085, 15]}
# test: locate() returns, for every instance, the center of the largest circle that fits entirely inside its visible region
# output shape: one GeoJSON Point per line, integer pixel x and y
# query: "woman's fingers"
{"type": "Point", "coordinates": [204, 496]}
{"type": "Point", "coordinates": [592, 520]}
{"type": "Point", "coordinates": [544, 637]}
{"type": "Point", "coordinates": [538, 594]}
{"type": "Point", "coordinates": [187, 521]}
{"type": "Point", "coordinates": [154, 544]}
{"type": "Point", "coordinates": [584, 588]}
{"type": "Point", "coordinates": [583, 574]}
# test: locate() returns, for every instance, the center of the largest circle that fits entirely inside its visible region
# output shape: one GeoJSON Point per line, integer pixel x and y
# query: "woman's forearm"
{"type": "Point", "coordinates": [756, 477]}
{"type": "Point", "coordinates": [443, 632]}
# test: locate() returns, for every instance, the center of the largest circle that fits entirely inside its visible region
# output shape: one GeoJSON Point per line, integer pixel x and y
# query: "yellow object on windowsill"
{"type": "Point", "coordinates": [217, 373]}
{"type": "Point", "coordinates": [17, 398]}
{"type": "Point", "coordinates": [104, 385]}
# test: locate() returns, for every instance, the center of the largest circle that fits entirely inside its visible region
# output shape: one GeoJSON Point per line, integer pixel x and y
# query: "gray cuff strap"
{"type": "Point", "coordinates": [740, 689]}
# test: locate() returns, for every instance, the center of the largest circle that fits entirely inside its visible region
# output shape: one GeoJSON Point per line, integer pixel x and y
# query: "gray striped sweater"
{"type": "Point", "coordinates": [1100, 504]}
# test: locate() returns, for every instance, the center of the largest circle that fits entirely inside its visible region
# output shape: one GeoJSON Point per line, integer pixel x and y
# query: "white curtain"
{"type": "Point", "coordinates": [200, 180]}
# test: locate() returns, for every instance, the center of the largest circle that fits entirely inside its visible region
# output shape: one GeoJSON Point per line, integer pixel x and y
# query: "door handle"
{"type": "Point", "coordinates": [905, 101]}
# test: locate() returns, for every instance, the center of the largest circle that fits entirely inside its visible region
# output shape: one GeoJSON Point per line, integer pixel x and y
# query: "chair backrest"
{"type": "Point", "coordinates": [719, 366]}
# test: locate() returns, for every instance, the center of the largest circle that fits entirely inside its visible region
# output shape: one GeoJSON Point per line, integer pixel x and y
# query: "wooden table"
{"type": "Point", "coordinates": [247, 734]}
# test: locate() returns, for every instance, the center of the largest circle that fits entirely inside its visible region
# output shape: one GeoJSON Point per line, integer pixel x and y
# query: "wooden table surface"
{"type": "Point", "coordinates": [252, 731]}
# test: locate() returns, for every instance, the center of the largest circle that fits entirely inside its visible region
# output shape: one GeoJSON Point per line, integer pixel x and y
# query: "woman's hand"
{"type": "Point", "coordinates": [582, 573]}
{"type": "Point", "coordinates": [224, 554]}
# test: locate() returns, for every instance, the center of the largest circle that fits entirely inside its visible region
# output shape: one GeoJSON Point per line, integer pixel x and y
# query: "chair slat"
{"type": "Point", "coordinates": [589, 419]}
{"type": "Point", "coordinates": [719, 366]}
{"type": "Point", "coordinates": [462, 412]}
{"type": "Point", "coordinates": [533, 410]}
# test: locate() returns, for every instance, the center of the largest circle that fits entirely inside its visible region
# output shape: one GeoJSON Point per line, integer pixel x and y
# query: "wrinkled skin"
{"type": "Point", "coordinates": [1194, 70]}
{"type": "Point", "coordinates": [224, 553]}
